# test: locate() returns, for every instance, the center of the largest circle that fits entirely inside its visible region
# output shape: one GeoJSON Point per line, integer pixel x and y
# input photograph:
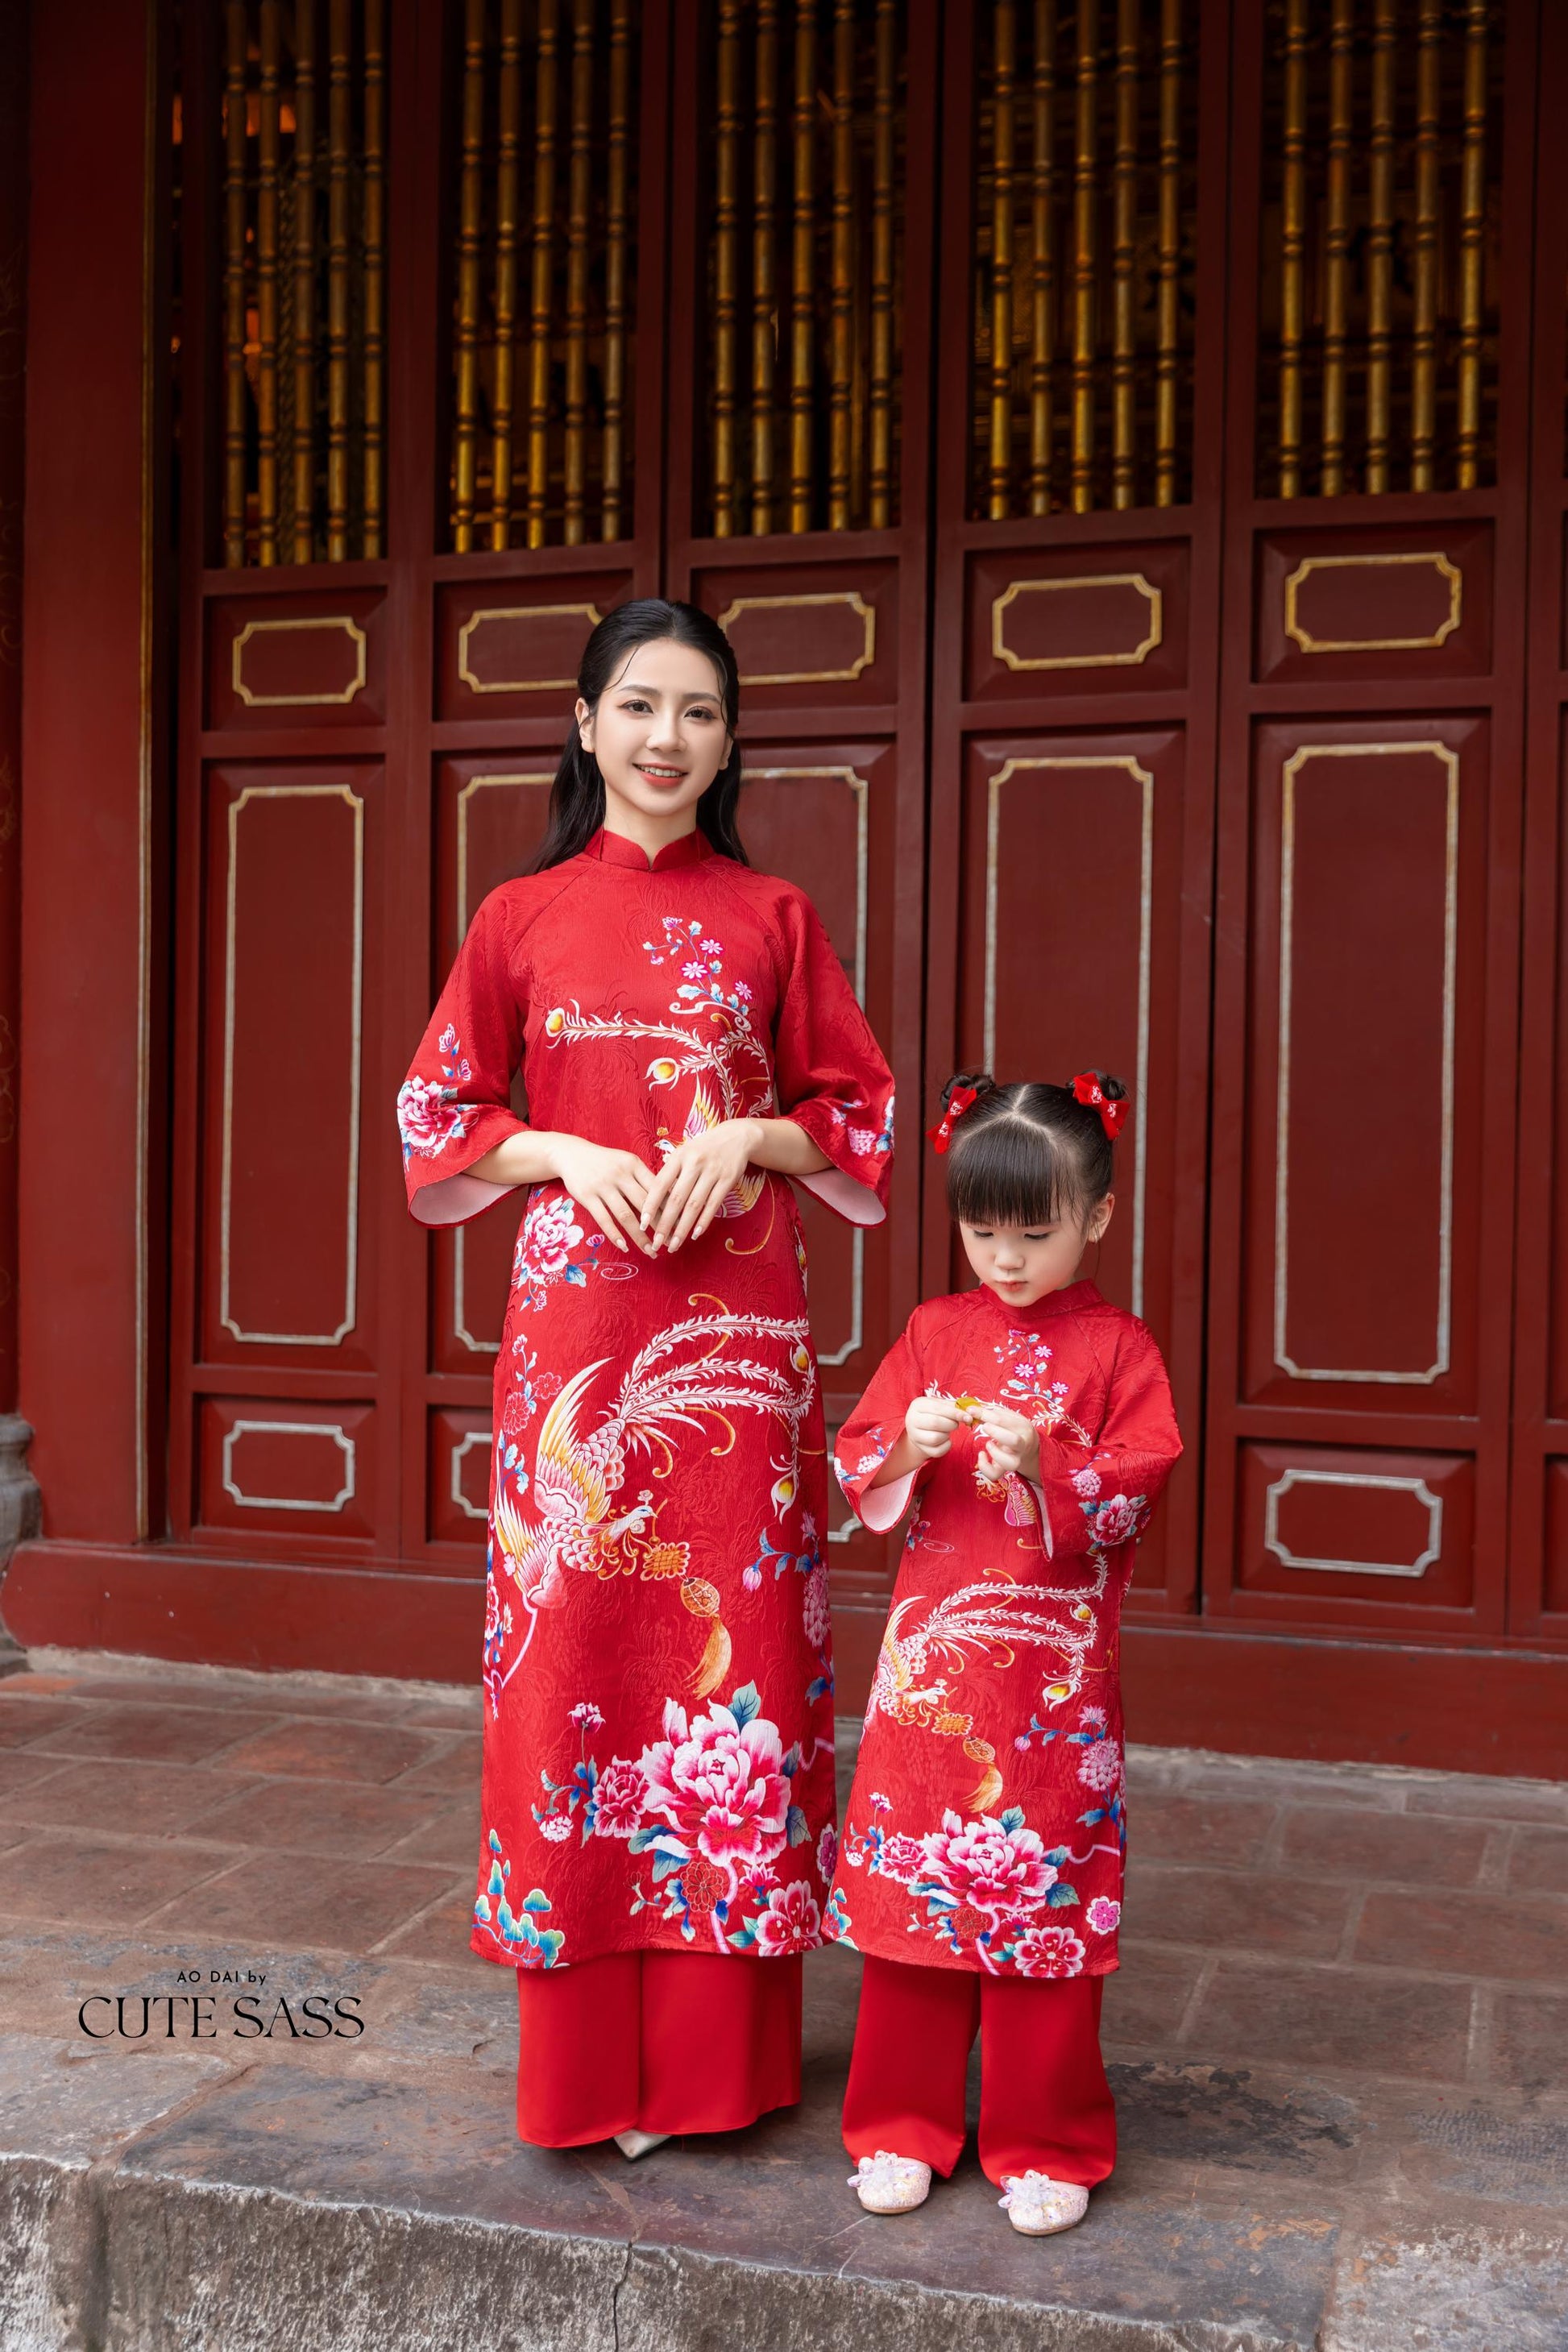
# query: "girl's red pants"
{"type": "Point", "coordinates": [655, 2042]}
{"type": "Point", "coordinates": [1045, 2103]}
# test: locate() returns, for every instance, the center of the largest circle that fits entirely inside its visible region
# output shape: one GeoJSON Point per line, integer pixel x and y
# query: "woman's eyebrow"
{"type": "Point", "coordinates": [691, 694]}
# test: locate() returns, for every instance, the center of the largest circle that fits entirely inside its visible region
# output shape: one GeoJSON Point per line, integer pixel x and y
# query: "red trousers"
{"type": "Point", "coordinates": [1045, 2103]}
{"type": "Point", "coordinates": [656, 2042]}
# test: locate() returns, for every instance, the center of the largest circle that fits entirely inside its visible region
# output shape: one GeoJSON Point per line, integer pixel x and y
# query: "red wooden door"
{"type": "Point", "coordinates": [1367, 915]}
{"type": "Point", "coordinates": [1076, 638]}
{"type": "Point", "coordinates": [1136, 613]}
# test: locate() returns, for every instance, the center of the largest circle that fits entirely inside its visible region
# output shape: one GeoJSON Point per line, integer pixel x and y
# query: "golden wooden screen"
{"type": "Point", "coordinates": [1081, 392]}
{"type": "Point", "coordinates": [802, 176]}
{"type": "Point", "coordinates": [544, 353]}
{"type": "Point", "coordinates": [304, 279]}
{"type": "Point", "coordinates": [1378, 321]}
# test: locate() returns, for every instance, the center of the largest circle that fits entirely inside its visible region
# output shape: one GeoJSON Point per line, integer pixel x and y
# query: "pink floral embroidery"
{"type": "Point", "coordinates": [1100, 1767]}
{"type": "Point", "coordinates": [981, 1863]}
{"type": "Point", "coordinates": [719, 1786]}
{"type": "Point", "coordinates": [1103, 1915]}
{"type": "Point", "coordinates": [826, 1853]}
{"type": "Point", "coordinates": [555, 1826]}
{"type": "Point", "coordinates": [901, 1858]}
{"type": "Point", "coordinates": [427, 1119]}
{"type": "Point", "coordinates": [1048, 1952]}
{"type": "Point", "coordinates": [620, 1794]}
{"type": "Point", "coordinates": [1117, 1520]}
{"type": "Point", "coordinates": [586, 1716]}
{"type": "Point", "coordinates": [814, 1607]}
{"type": "Point", "coordinates": [790, 1921]}
{"type": "Point", "coordinates": [1086, 1483]}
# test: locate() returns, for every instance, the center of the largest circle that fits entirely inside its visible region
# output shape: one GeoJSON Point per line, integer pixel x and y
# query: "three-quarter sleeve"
{"type": "Point", "coordinates": [1096, 1497]}
{"type": "Point", "coordinates": [829, 1073]}
{"type": "Point", "coordinates": [455, 1104]}
{"type": "Point", "coordinates": [870, 1435]}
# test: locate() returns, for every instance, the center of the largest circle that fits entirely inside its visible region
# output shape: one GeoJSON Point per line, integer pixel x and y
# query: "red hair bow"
{"type": "Point", "coordinates": [958, 1102]}
{"type": "Point", "coordinates": [1108, 1096]}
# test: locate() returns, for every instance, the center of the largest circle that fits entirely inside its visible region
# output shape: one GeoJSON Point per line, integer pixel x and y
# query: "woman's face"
{"type": "Point", "coordinates": [657, 732]}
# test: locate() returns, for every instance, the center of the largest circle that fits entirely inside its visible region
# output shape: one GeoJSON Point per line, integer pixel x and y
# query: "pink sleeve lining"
{"type": "Point", "coordinates": [1038, 1493]}
{"type": "Point", "coordinates": [881, 1507]}
{"type": "Point", "coordinates": [853, 1201]}
{"type": "Point", "coordinates": [451, 1199]}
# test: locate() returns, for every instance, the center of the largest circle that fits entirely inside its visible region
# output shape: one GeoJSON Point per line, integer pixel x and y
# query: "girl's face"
{"type": "Point", "coordinates": [659, 735]}
{"type": "Point", "coordinates": [1022, 1262]}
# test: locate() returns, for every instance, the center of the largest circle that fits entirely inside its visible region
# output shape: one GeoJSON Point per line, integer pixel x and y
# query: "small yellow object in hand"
{"type": "Point", "coordinates": [967, 1404]}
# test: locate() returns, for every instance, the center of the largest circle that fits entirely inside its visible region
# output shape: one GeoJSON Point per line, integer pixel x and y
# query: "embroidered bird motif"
{"type": "Point", "coordinates": [918, 1661]}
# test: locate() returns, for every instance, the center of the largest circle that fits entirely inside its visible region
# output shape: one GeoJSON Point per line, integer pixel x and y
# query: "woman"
{"type": "Point", "coordinates": [658, 1799]}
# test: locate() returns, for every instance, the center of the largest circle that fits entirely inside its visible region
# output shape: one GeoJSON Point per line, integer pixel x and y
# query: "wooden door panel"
{"type": "Point", "coordinates": [288, 1475]}
{"type": "Point", "coordinates": [825, 638]}
{"type": "Point", "coordinates": [490, 816]}
{"type": "Point", "coordinates": [1078, 620]}
{"type": "Point", "coordinates": [291, 924]}
{"type": "Point", "coordinates": [510, 648]}
{"type": "Point", "coordinates": [1367, 984]}
{"type": "Point", "coordinates": [1068, 960]}
{"type": "Point", "coordinates": [319, 662]}
{"type": "Point", "coordinates": [1375, 1537]}
{"type": "Point", "coordinates": [1348, 606]}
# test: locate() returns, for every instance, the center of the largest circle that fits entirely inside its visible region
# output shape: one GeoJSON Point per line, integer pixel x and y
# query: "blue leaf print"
{"type": "Point", "coordinates": [745, 1704]}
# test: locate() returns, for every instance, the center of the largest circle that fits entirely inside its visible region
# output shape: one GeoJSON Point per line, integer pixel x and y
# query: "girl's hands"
{"type": "Point", "coordinates": [929, 1426]}
{"type": "Point", "coordinates": [612, 1186]}
{"type": "Point", "coordinates": [1009, 1445]}
{"type": "Point", "coordinates": [694, 1182]}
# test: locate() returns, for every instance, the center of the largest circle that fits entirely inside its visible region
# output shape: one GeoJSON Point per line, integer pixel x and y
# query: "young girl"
{"type": "Point", "coordinates": [658, 1804]}
{"type": "Point", "coordinates": [980, 1871]}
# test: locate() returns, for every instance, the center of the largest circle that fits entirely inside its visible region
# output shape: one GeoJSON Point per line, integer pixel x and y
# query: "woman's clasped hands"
{"type": "Point", "coordinates": [630, 1201]}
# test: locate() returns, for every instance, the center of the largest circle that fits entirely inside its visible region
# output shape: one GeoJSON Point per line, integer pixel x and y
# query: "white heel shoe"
{"type": "Point", "coordinates": [886, 2183]}
{"type": "Point", "coordinates": [1038, 2206]}
{"type": "Point", "coordinates": [640, 2142]}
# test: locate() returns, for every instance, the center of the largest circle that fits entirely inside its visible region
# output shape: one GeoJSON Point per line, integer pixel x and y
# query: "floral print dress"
{"type": "Point", "coordinates": [986, 1828]}
{"type": "Point", "coordinates": [657, 1676]}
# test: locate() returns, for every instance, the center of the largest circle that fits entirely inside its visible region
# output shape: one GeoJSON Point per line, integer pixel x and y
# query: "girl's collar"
{"type": "Point", "coordinates": [615, 849]}
{"type": "Point", "coordinates": [1070, 1301]}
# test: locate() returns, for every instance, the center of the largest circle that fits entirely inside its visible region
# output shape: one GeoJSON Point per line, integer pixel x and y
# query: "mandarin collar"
{"type": "Point", "coordinates": [1070, 1301]}
{"type": "Point", "coordinates": [615, 849]}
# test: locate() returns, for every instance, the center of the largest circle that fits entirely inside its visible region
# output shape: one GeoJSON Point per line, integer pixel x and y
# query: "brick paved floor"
{"type": "Point", "coordinates": [1343, 2011]}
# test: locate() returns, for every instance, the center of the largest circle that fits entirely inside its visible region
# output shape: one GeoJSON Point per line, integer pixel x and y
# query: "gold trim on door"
{"type": "Point", "coordinates": [589, 613]}
{"type": "Point", "coordinates": [1433, 558]}
{"type": "Point", "coordinates": [1358, 1478]}
{"type": "Point", "coordinates": [332, 1429]}
{"type": "Point", "coordinates": [1143, 777]}
{"type": "Point", "coordinates": [276, 628]}
{"type": "Point", "coordinates": [1128, 660]}
{"type": "Point", "coordinates": [350, 1277]}
{"type": "Point", "coordinates": [866, 614]}
{"type": "Point", "coordinates": [1450, 760]}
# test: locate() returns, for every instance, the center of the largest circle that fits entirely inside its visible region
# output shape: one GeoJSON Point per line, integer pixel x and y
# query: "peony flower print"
{"type": "Point", "coordinates": [1048, 1952]}
{"type": "Point", "coordinates": [427, 1119]}
{"type": "Point", "coordinates": [790, 1921]}
{"type": "Point", "coordinates": [719, 1784]}
{"type": "Point", "coordinates": [995, 1869]}
{"type": "Point", "coordinates": [620, 1795]}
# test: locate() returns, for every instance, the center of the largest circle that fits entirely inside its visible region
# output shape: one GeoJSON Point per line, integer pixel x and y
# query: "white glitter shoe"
{"type": "Point", "coordinates": [638, 2143]}
{"type": "Point", "coordinates": [886, 2183]}
{"type": "Point", "coordinates": [1038, 2206]}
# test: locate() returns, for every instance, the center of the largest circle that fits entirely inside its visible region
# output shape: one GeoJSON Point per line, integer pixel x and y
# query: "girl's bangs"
{"type": "Point", "coordinates": [1011, 1173]}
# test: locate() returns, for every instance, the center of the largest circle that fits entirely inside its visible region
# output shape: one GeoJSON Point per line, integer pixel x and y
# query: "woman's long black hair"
{"type": "Point", "coordinates": [577, 795]}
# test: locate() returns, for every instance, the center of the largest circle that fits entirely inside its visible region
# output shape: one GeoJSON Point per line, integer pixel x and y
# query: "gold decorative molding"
{"type": "Point", "coordinates": [332, 1429]}
{"type": "Point", "coordinates": [277, 628]}
{"type": "Point", "coordinates": [1016, 588]}
{"type": "Point", "coordinates": [545, 776]}
{"type": "Point", "coordinates": [1144, 779]}
{"type": "Point", "coordinates": [1432, 1504]}
{"type": "Point", "coordinates": [1432, 558]}
{"type": "Point", "coordinates": [589, 613]}
{"type": "Point", "coordinates": [860, 788]}
{"type": "Point", "coordinates": [459, 1454]}
{"type": "Point", "coordinates": [350, 1275]}
{"type": "Point", "coordinates": [851, 597]}
{"type": "Point", "coordinates": [1448, 760]}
